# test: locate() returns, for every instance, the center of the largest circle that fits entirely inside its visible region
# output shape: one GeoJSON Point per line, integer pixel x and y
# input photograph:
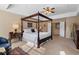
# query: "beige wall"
{"type": "Point", "coordinates": [25, 24]}
{"type": "Point", "coordinates": [55, 30]}
{"type": "Point", "coordinates": [6, 21]}
{"type": "Point", "coordinates": [43, 25]}
{"type": "Point", "coordinates": [69, 24]}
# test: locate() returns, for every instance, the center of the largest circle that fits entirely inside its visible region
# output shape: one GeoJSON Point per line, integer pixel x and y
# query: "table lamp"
{"type": "Point", "coordinates": [15, 27]}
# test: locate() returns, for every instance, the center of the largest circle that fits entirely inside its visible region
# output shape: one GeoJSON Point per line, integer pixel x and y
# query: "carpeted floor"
{"type": "Point", "coordinates": [57, 46]}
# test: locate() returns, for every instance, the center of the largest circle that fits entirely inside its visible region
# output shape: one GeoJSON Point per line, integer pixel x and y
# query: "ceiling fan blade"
{"type": "Point", "coordinates": [52, 8]}
{"type": "Point", "coordinates": [52, 12]}
{"type": "Point", "coordinates": [44, 8]}
{"type": "Point", "coordinates": [48, 10]}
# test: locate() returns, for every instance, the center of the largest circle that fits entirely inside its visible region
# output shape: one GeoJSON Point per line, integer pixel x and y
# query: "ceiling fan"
{"type": "Point", "coordinates": [48, 10]}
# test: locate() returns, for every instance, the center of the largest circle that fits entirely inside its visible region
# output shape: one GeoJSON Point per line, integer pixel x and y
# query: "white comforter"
{"type": "Point", "coordinates": [33, 37]}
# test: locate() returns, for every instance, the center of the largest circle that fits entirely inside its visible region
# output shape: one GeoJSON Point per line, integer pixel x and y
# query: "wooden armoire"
{"type": "Point", "coordinates": [77, 39]}
{"type": "Point", "coordinates": [76, 35]}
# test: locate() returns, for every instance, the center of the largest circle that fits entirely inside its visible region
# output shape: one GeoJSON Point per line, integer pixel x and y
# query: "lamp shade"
{"type": "Point", "coordinates": [15, 26]}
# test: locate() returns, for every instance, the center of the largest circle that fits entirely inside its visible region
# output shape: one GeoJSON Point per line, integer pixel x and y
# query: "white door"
{"type": "Point", "coordinates": [62, 29]}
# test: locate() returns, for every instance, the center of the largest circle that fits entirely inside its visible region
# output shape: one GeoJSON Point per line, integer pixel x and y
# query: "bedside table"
{"type": "Point", "coordinates": [13, 35]}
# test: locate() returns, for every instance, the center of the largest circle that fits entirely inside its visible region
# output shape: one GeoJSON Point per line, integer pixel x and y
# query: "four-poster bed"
{"type": "Point", "coordinates": [40, 37]}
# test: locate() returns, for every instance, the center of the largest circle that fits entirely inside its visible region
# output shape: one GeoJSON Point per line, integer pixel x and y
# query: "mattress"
{"type": "Point", "coordinates": [33, 37]}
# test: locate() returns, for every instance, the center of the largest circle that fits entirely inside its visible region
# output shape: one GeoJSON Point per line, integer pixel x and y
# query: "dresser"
{"type": "Point", "coordinates": [77, 39]}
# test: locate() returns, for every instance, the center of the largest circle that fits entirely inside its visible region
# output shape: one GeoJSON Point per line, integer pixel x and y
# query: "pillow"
{"type": "Point", "coordinates": [32, 30]}
{"type": "Point", "coordinates": [27, 30]}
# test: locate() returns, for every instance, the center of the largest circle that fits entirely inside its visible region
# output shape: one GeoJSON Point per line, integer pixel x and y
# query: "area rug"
{"type": "Point", "coordinates": [18, 51]}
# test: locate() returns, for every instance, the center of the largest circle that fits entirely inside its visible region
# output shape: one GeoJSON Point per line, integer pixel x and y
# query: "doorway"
{"type": "Point", "coordinates": [59, 29]}
{"type": "Point", "coordinates": [62, 29]}
{"type": "Point", "coordinates": [56, 28]}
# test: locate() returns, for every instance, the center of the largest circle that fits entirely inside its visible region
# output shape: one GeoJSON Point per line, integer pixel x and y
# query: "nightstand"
{"type": "Point", "coordinates": [13, 35]}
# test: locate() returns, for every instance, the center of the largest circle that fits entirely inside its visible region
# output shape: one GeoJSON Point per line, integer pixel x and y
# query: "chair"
{"type": "Point", "coordinates": [5, 43]}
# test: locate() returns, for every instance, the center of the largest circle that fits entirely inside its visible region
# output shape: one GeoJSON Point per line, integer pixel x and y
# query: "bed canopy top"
{"type": "Point", "coordinates": [36, 14]}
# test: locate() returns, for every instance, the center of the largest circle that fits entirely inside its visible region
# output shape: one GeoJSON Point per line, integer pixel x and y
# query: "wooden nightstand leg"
{"type": "Point", "coordinates": [20, 38]}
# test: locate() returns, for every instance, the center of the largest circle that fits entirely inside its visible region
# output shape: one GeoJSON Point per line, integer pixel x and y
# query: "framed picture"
{"type": "Point", "coordinates": [29, 25]}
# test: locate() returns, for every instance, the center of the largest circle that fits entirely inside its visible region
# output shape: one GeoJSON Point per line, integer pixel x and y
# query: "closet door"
{"type": "Point", "coordinates": [62, 29]}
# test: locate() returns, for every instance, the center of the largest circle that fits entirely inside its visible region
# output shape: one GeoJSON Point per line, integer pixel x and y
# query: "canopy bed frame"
{"type": "Point", "coordinates": [38, 21]}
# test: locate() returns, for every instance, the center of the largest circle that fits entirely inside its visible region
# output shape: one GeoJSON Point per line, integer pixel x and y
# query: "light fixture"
{"type": "Point", "coordinates": [15, 27]}
{"type": "Point", "coordinates": [48, 10]}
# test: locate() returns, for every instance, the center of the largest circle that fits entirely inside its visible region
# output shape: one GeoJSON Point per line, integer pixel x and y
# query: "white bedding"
{"type": "Point", "coordinates": [32, 37]}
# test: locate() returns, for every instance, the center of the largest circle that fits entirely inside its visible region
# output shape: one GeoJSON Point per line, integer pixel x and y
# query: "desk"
{"type": "Point", "coordinates": [13, 35]}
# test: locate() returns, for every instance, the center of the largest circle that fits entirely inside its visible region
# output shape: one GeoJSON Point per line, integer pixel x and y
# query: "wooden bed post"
{"type": "Point", "coordinates": [38, 27]}
{"type": "Point", "coordinates": [51, 30]}
{"type": "Point", "coordinates": [38, 44]}
{"type": "Point", "coordinates": [21, 28]}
